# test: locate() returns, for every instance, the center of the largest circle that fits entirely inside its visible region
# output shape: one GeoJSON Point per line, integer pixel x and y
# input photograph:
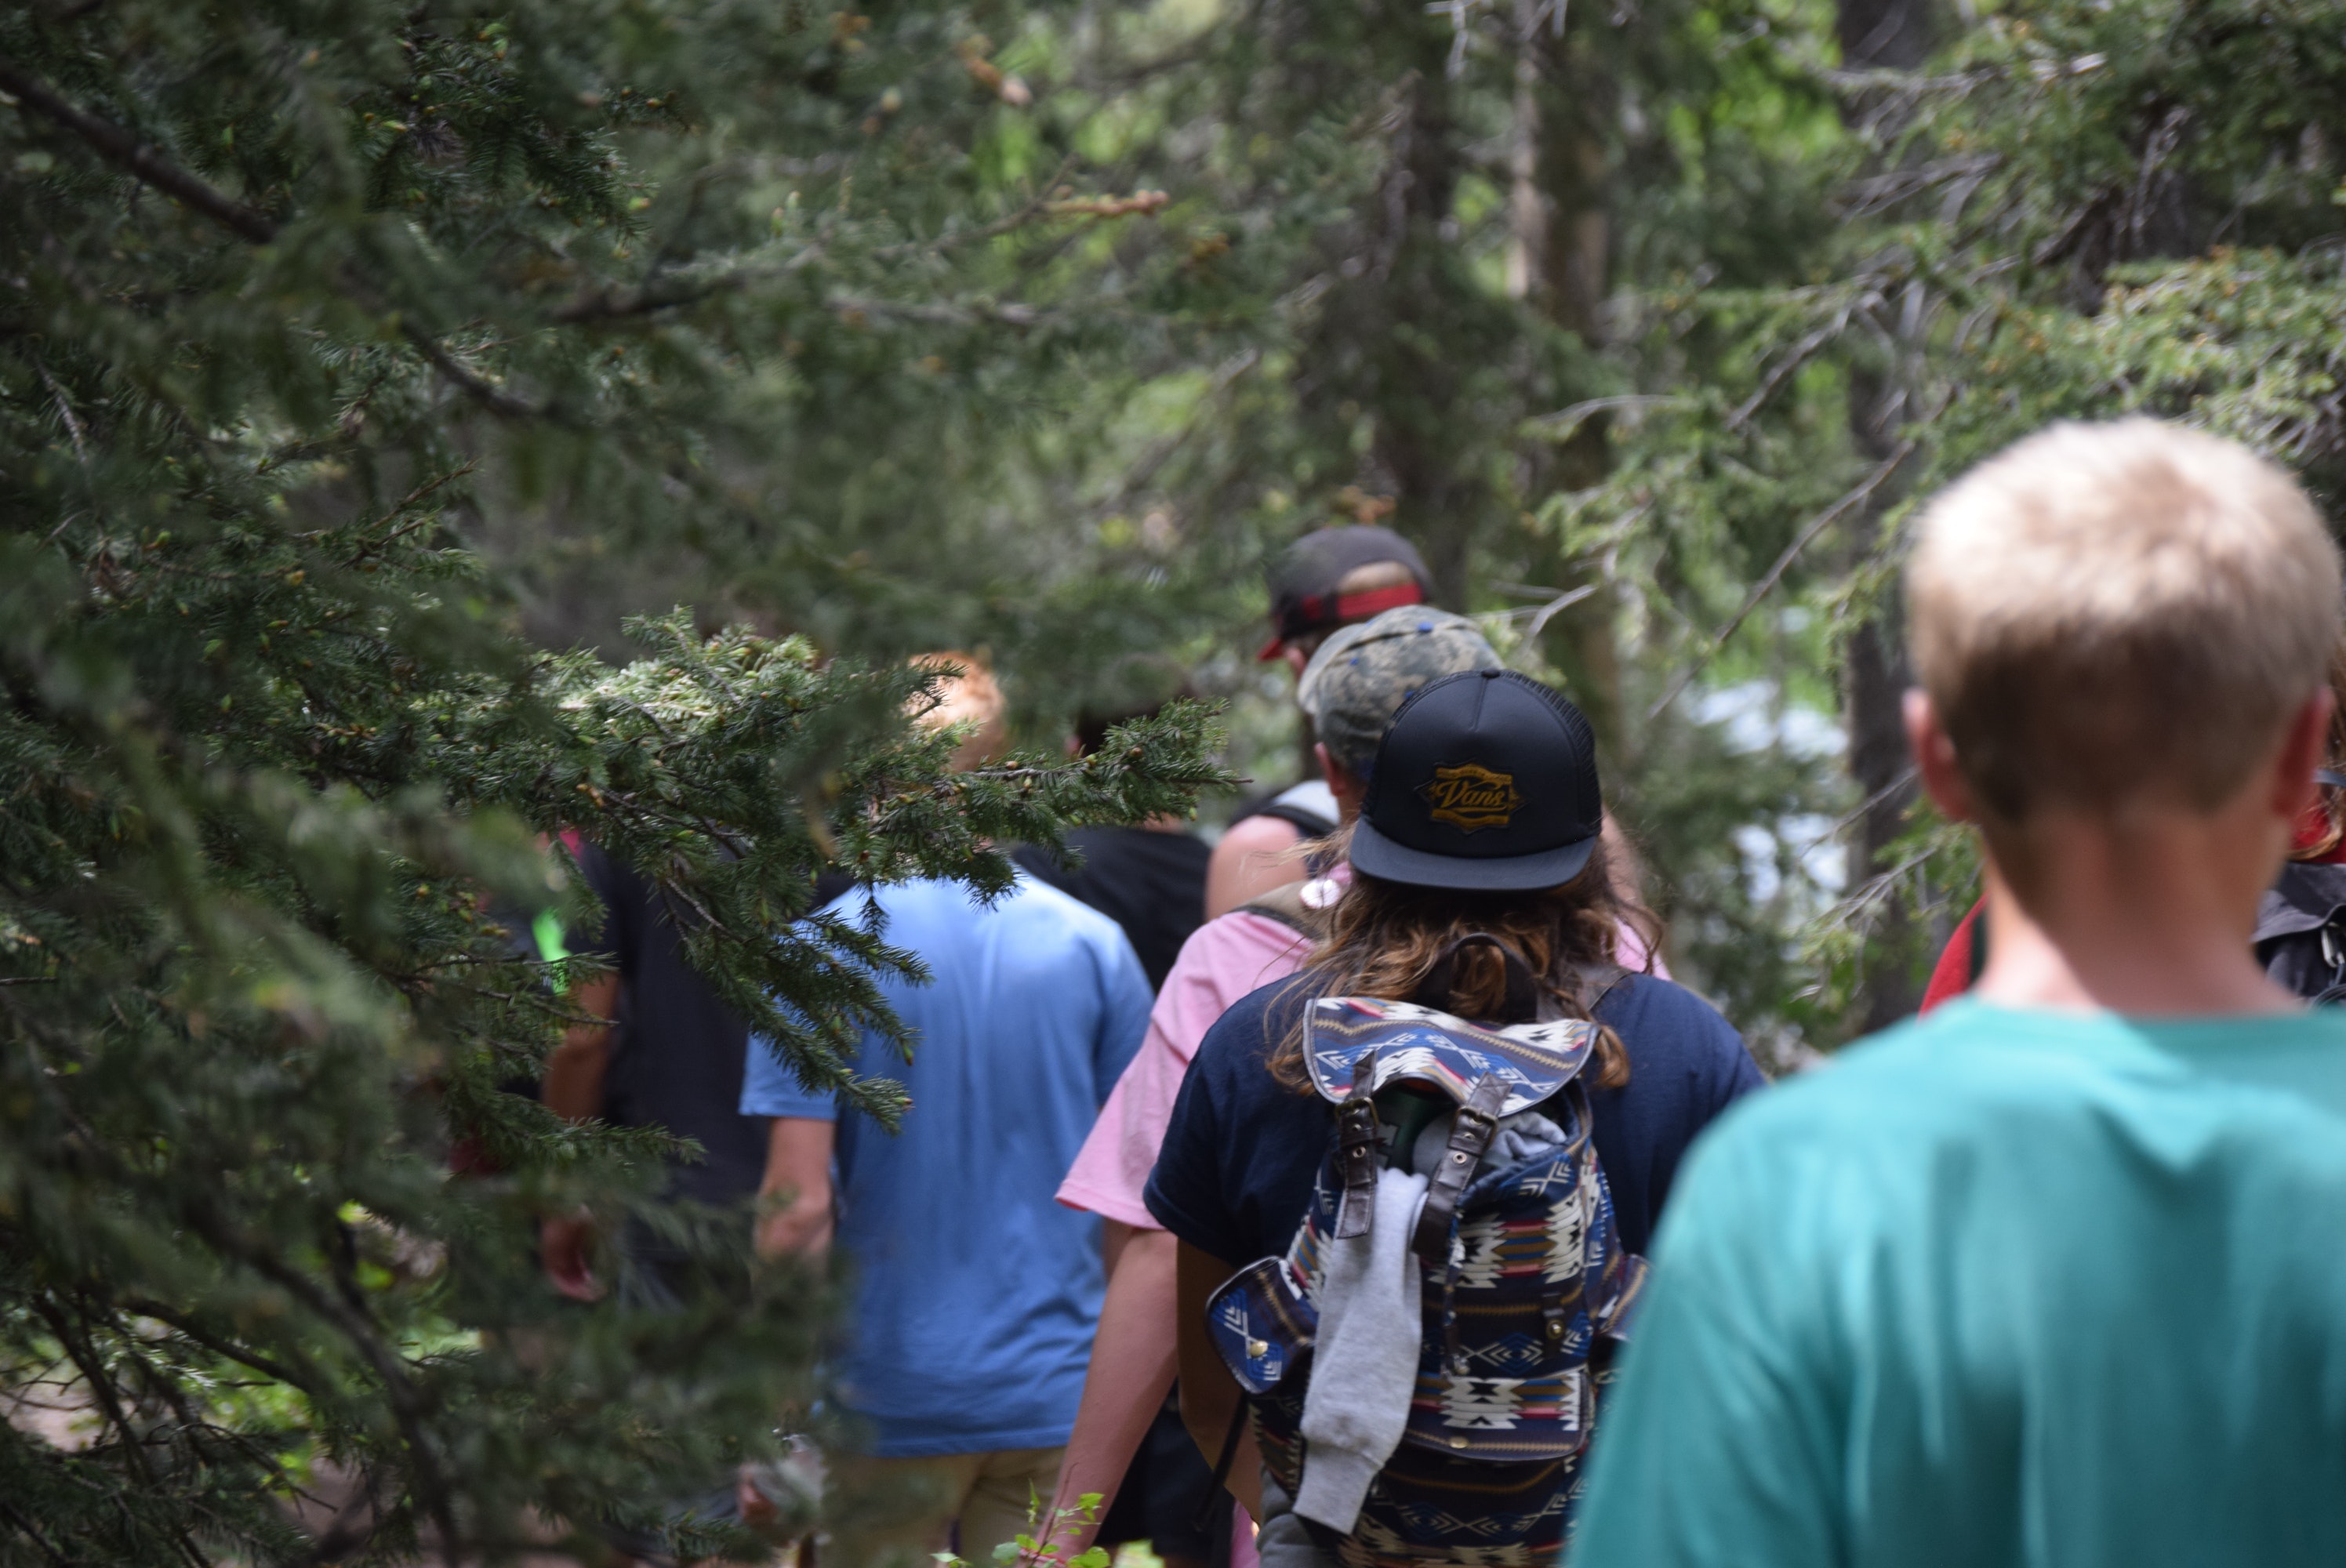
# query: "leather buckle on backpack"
{"type": "Point", "coordinates": [1471, 1129]}
{"type": "Point", "coordinates": [1360, 1150]}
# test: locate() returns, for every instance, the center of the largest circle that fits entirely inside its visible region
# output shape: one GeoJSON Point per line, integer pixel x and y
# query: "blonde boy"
{"type": "Point", "coordinates": [2057, 1277]}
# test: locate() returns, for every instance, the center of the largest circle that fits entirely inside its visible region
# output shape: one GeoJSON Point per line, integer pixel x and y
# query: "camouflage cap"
{"type": "Point", "coordinates": [1362, 673]}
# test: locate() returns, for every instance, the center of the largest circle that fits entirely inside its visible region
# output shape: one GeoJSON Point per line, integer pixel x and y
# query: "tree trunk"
{"type": "Point", "coordinates": [1558, 258]}
{"type": "Point", "coordinates": [1441, 502]}
{"type": "Point", "coordinates": [1877, 34]}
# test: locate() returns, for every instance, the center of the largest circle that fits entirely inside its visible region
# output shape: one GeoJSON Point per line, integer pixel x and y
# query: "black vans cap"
{"type": "Point", "coordinates": [1485, 781]}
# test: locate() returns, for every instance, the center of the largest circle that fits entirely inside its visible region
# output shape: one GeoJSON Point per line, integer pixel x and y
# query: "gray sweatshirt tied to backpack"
{"type": "Point", "coordinates": [1364, 1362]}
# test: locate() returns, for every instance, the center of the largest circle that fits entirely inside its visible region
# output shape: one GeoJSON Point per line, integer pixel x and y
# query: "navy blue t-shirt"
{"type": "Point", "coordinates": [1235, 1173]}
{"type": "Point", "coordinates": [676, 1053]}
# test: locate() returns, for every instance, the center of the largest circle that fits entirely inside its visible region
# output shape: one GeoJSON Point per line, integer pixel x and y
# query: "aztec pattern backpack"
{"type": "Point", "coordinates": [1522, 1275]}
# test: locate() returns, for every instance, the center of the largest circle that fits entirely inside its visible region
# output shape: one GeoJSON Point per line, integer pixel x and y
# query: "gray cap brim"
{"type": "Point", "coordinates": [1380, 857]}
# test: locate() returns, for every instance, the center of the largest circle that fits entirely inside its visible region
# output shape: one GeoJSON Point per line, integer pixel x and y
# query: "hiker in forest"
{"type": "Point", "coordinates": [1355, 680]}
{"type": "Point", "coordinates": [1479, 887]}
{"type": "Point", "coordinates": [974, 1295]}
{"type": "Point", "coordinates": [1151, 881]}
{"type": "Point", "coordinates": [1329, 578]}
{"type": "Point", "coordinates": [2053, 1276]}
{"type": "Point", "coordinates": [2300, 936]}
{"type": "Point", "coordinates": [664, 1052]}
{"type": "Point", "coordinates": [1149, 878]}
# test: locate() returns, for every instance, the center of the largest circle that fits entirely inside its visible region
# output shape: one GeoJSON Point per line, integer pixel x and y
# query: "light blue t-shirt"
{"type": "Point", "coordinates": [2022, 1288]}
{"type": "Point", "coordinates": [975, 1293]}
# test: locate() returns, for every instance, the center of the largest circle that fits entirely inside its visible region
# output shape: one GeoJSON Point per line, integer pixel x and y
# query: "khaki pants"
{"type": "Point", "coordinates": [896, 1512]}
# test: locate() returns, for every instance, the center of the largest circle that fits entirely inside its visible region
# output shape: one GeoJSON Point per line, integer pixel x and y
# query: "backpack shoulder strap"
{"type": "Point", "coordinates": [1284, 904]}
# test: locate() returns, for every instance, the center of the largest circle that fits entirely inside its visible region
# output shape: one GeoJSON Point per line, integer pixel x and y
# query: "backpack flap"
{"type": "Point", "coordinates": [1261, 1323]}
{"type": "Point", "coordinates": [1345, 1037]}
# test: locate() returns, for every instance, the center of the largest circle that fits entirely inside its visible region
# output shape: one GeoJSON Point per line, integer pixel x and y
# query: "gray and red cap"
{"type": "Point", "coordinates": [1304, 596]}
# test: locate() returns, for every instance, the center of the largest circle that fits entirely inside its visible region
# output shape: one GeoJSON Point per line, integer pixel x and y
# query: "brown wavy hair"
{"type": "Point", "coordinates": [1385, 938]}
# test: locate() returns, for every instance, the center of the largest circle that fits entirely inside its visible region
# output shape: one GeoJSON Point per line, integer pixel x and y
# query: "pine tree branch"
{"type": "Point", "coordinates": [33, 1533]}
{"type": "Point", "coordinates": [145, 1307]}
{"type": "Point", "coordinates": [1037, 206]}
{"type": "Point", "coordinates": [101, 1386]}
{"type": "Point", "coordinates": [399, 1392]}
{"type": "Point", "coordinates": [1798, 355]}
{"type": "Point", "coordinates": [616, 304]}
{"type": "Point", "coordinates": [494, 397]}
{"type": "Point", "coordinates": [117, 146]}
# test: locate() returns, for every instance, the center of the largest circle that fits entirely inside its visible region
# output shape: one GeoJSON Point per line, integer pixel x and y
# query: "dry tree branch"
{"type": "Point", "coordinates": [1800, 354]}
{"type": "Point", "coordinates": [1761, 590]}
{"type": "Point", "coordinates": [1037, 206]}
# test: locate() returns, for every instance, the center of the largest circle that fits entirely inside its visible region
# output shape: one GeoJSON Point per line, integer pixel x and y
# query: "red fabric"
{"type": "Point", "coordinates": [1952, 974]}
{"type": "Point", "coordinates": [2314, 827]}
{"type": "Point", "coordinates": [1342, 610]}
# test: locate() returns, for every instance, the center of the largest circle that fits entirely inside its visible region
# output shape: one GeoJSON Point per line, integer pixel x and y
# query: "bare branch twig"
{"type": "Point", "coordinates": [1817, 524]}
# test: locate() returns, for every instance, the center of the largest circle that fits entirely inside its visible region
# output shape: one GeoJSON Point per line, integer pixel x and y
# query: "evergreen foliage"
{"type": "Point", "coordinates": [292, 293]}
{"type": "Point", "coordinates": [2080, 211]}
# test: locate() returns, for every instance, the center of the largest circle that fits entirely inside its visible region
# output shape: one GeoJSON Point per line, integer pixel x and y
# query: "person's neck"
{"type": "Point", "coordinates": [2147, 914]}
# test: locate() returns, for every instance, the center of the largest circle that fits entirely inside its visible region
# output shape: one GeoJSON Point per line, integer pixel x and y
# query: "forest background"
{"type": "Point", "coordinates": [364, 367]}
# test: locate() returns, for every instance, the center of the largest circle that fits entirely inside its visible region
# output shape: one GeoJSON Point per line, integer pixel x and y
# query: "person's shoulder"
{"type": "Point", "coordinates": [1633, 995]}
{"type": "Point", "coordinates": [1246, 943]}
{"type": "Point", "coordinates": [1232, 1067]}
{"type": "Point", "coordinates": [1252, 1025]}
{"type": "Point", "coordinates": [926, 911]}
{"type": "Point", "coordinates": [1257, 835]}
{"type": "Point", "coordinates": [1651, 1013]}
{"type": "Point", "coordinates": [1944, 1078]}
{"type": "Point", "coordinates": [611, 880]}
{"type": "Point", "coordinates": [1183, 849]}
{"type": "Point", "coordinates": [1047, 867]}
{"type": "Point", "coordinates": [1048, 914]}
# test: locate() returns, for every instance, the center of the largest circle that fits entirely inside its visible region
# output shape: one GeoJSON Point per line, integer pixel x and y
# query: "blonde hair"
{"type": "Point", "coordinates": [2105, 612]}
{"type": "Point", "coordinates": [964, 692]}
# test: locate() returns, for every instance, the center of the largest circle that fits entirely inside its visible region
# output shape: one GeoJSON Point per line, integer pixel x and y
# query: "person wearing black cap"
{"type": "Point", "coordinates": [1483, 815]}
{"type": "Point", "coordinates": [1329, 578]}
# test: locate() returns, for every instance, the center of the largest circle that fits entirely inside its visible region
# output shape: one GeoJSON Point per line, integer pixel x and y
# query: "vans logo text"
{"type": "Point", "coordinates": [1470, 796]}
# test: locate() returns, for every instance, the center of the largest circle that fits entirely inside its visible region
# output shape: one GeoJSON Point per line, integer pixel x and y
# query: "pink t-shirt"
{"type": "Point", "coordinates": [1222, 960]}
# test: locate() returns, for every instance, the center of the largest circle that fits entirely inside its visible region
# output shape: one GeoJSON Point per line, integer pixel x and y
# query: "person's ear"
{"type": "Point", "coordinates": [1347, 789]}
{"type": "Point", "coordinates": [1297, 659]}
{"type": "Point", "coordinates": [2303, 747]}
{"type": "Point", "coordinates": [1934, 759]}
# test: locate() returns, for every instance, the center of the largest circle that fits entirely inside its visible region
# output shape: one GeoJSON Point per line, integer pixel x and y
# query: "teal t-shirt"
{"type": "Point", "coordinates": [2001, 1287]}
